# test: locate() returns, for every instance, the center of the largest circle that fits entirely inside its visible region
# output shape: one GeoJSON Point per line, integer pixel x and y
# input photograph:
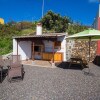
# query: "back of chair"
{"type": "Point", "coordinates": [15, 60]}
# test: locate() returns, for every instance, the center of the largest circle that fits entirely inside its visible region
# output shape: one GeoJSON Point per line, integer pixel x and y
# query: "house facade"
{"type": "Point", "coordinates": [51, 46]}
{"type": "Point", "coordinates": [96, 25]}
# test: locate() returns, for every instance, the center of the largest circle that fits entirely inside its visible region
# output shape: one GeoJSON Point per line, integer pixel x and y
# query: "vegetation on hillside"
{"type": "Point", "coordinates": [7, 31]}
{"type": "Point", "coordinates": [57, 23]}
{"type": "Point", "coordinates": [51, 22]}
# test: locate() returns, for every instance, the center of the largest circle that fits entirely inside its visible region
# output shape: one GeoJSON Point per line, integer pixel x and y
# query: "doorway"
{"type": "Point", "coordinates": [38, 51]}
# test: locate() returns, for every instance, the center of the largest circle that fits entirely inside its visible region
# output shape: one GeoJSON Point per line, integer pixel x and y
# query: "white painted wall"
{"type": "Point", "coordinates": [69, 45]}
{"type": "Point", "coordinates": [24, 49]}
{"type": "Point", "coordinates": [63, 46]}
{"type": "Point", "coordinates": [14, 47]}
{"type": "Point", "coordinates": [39, 29]}
{"type": "Point", "coordinates": [49, 45]}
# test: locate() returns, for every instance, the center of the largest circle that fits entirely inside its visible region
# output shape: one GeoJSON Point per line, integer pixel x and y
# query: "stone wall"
{"type": "Point", "coordinates": [81, 49]}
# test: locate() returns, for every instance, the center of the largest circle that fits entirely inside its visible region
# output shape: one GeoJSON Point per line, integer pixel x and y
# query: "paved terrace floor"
{"type": "Point", "coordinates": [40, 63]}
{"type": "Point", "coordinates": [53, 84]}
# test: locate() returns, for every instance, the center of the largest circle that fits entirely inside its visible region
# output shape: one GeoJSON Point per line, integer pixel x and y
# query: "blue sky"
{"type": "Point", "coordinates": [30, 10]}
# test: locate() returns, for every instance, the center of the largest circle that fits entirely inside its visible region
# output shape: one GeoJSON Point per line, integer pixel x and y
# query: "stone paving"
{"type": "Point", "coordinates": [53, 84]}
{"type": "Point", "coordinates": [40, 63]}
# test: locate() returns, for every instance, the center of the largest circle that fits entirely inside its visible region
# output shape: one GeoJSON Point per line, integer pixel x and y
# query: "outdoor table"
{"type": "Point", "coordinates": [76, 61]}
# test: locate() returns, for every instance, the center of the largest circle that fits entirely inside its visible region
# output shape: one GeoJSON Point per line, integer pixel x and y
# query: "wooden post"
{"type": "Point", "coordinates": [32, 52]}
{"type": "Point", "coordinates": [89, 48]}
{"type": "Point", "coordinates": [53, 51]}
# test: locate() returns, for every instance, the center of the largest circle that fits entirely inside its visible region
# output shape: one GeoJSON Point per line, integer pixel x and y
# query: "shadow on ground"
{"type": "Point", "coordinates": [4, 74]}
{"type": "Point", "coordinates": [65, 65]}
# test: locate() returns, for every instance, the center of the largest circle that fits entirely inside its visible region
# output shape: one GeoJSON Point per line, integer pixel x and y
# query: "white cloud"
{"type": "Point", "coordinates": [94, 1]}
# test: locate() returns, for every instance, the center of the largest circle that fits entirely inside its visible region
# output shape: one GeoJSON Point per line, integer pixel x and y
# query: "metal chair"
{"type": "Point", "coordinates": [15, 70]}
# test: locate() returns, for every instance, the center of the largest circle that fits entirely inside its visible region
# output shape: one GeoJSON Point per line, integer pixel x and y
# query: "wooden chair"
{"type": "Point", "coordinates": [15, 70]}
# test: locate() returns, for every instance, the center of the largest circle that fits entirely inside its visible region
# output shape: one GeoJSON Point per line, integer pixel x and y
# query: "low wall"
{"type": "Point", "coordinates": [80, 48]}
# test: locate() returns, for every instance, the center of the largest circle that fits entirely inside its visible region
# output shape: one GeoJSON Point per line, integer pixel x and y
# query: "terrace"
{"type": "Point", "coordinates": [41, 83]}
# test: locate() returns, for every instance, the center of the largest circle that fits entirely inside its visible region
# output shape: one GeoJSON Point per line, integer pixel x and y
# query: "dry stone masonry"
{"type": "Point", "coordinates": [79, 48]}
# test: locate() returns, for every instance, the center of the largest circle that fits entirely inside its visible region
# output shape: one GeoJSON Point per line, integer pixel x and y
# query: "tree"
{"type": "Point", "coordinates": [75, 28]}
{"type": "Point", "coordinates": [53, 21]}
{"type": "Point", "coordinates": [57, 23]}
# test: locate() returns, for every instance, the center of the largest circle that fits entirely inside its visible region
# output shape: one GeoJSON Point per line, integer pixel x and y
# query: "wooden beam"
{"type": "Point", "coordinates": [53, 50]}
{"type": "Point", "coordinates": [32, 50]}
{"type": "Point", "coordinates": [37, 38]}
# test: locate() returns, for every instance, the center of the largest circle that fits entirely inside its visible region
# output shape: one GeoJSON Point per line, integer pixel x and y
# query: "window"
{"type": "Point", "coordinates": [37, 48]}
{"type": "Point", "coordinates": [57, 45]}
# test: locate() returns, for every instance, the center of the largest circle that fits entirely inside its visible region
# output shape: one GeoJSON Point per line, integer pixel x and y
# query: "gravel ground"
{"type": "Point", "coordinates": [53, 84]}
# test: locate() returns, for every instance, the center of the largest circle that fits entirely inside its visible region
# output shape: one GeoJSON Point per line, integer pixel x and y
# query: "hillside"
{"type": "Point", "coordinates": [7, 31]}
{"type": "Point", "coordinates": [51, 22]}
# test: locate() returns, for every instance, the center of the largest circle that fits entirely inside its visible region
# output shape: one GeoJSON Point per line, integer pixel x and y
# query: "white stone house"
{"type": "Point", "coordinates": [50, 46]}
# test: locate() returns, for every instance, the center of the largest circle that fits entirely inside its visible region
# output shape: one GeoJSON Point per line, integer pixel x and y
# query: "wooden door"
{"type": "Point", "coordinates": [49, 56]}
{"type": "Point", "coordinates": [58, 57]}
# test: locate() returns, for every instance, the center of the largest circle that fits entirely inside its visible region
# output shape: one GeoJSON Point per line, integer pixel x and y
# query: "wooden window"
{"type": "Point", "coordinates": [38, 48]}
{"type": "Point", "coordinates": [57, 45]}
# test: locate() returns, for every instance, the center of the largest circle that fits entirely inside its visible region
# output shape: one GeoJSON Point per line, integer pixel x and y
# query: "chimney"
{"type": "Point", "coordinates": [39, 29]}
